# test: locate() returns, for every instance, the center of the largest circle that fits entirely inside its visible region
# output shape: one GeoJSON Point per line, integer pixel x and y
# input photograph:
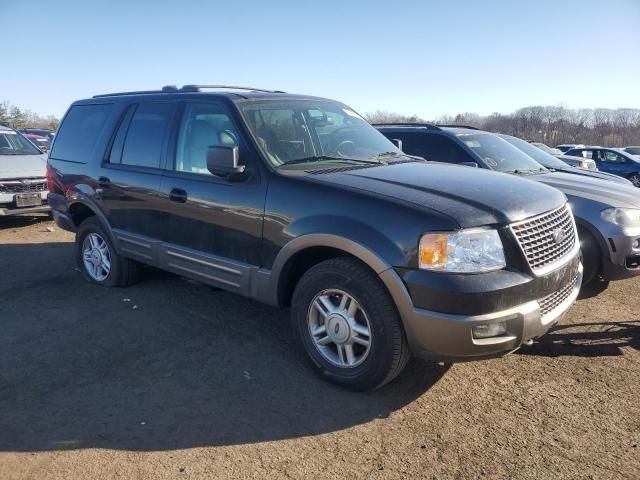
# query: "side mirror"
{"type": "Point", "coordinates": [43, 149]}
{"type": "Point", "coordinates": [470, 164]}
{"type": "Point", "coordinates": [223, 160]}
{"type": "Point", "coordinates": [397, 142]}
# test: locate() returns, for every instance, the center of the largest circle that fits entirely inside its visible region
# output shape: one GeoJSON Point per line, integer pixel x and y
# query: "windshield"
{"type": "Point", "coordinates": [498, 154]}
{"type": "Point", "coordinates": [314, 131]}
{"type": "Point", "coordinates": [633, 150]}
{"type": "Point", "coordinates": [537, 154]}
{"type": "Point", "coordinates": [12, 143]}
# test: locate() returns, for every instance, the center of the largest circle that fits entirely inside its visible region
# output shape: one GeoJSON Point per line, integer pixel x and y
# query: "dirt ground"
{"type": "Point", "coordinates": [172, 379]}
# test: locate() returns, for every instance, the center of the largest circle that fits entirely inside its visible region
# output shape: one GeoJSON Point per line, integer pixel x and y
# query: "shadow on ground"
{"type": "Point", "coordinates": [587, 340]}
{"type": "Point", "coordinates": [166, 364]}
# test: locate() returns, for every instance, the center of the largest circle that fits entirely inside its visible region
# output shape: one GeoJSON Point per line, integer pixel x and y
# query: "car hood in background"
{"type": "Point", "coordinates": [591, 188]}
{"type": "Point", "coordinates": [471, 196]}
{"type": "Point", "coordinates": [593, 174]}
{"type": "Point", "coordinates": [20, 166]}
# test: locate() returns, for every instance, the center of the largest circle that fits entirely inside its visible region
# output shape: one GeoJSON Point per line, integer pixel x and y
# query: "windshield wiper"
{"type": "Point", "coordinates": [319, 158]}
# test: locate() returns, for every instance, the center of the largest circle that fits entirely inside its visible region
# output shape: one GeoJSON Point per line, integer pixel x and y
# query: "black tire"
{"type": "Point", "coordinates": [635, 179]}
{"type": "Point", "coordinates": [389, 351]}
{"type": "Point", "coordinates": [591, 257]}
{"type": "Point", "coordinates": [124, 272]}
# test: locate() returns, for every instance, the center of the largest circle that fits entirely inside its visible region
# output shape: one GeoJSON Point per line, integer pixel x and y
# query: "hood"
{"type": "Point", "coordinates": [594, 174]}
{"type": "Point", "coordinates": [19, 166]}
{"type": "Point", "coordinates": [473, 197]}
{"type": "Point", "coordinates": [592, 188]}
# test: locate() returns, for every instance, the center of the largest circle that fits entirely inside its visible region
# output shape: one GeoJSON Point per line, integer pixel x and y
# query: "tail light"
{"type": "Point", "coordinates": [50, 183]}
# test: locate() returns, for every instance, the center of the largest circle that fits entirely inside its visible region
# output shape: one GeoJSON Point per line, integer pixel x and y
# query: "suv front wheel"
{"type": "Point", "coordinates": [98, 260]}
{"type": "Point", "coordinates": [348, 325]}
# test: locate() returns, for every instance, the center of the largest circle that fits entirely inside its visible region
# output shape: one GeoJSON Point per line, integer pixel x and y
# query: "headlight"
{"type": "Point", "coordinates": [625, 217]}
{"type": "Point", "coordinates": [466, 251]}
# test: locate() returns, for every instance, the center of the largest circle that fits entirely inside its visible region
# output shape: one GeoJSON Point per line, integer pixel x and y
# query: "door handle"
{"type": "Point", "coordinates": [178, 195]}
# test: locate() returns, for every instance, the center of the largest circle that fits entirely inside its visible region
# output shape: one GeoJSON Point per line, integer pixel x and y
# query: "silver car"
{"type": "Point", "coordinates": [23, 182]}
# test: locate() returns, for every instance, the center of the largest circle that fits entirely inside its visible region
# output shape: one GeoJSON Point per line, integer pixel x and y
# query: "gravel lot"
{"type": "Point", "coordinates": [172, 379]}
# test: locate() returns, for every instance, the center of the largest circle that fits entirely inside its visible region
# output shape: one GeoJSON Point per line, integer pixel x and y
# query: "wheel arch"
{"type": "Point", "coordinates": [304, 252]}
{"type": "Point", "coordinates": [80, 208]}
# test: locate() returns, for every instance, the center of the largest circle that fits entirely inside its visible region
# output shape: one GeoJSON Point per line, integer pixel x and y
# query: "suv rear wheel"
{"type": "Point", "coordinates": [98, 260]}
{"type": "Point", "coordinates": [348, 325]}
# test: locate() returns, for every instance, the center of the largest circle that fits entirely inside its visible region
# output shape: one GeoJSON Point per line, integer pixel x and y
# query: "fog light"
{"type": "Point", "coordinates": [636, 244]}
{"type": "Point", "coordinates": [489, 330]}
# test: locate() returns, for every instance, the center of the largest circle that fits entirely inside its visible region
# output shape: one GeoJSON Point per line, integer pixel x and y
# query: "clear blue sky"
{"type": "Point", "coordinates": [424, 57]}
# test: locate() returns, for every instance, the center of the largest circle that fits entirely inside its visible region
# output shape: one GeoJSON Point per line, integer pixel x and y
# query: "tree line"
{"type": "Point", "coordinates": [14, 117]}
{"type": "Point", "coordinates": [552, 125]}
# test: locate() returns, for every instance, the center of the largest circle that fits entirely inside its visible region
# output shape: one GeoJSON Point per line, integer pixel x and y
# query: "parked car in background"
{"type": "Point", "coordinates": [568, 146]}
{"type": "Point", "coordinates": [23, 182]}
{"type": "Point", "coordinates": [559, 164]}
{"type": "Point", "coordinates": [611, 160]}
{"type": "Point", "coordinates": [546, 148]}
{"type": "Point", "coordinates": [607, 213]}
{"type": "Point", "coordinates": [42, 132]}
{"type": "Point", "coordinates": [39, 141]}
{"type": "Point", "coordinates": [297, 201]}
{"type": "Point", "coordinates": [632, 150]}
{"type": "Point", "coordinates": [578, 162]}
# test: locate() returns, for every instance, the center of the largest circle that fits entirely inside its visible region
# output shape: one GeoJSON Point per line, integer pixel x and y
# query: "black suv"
{"type": "Point", "coordinates": [298, 202]}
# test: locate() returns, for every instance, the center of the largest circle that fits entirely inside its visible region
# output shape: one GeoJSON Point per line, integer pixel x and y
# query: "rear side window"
{"type": "Point", "coordinates": [437, 148]}
{"type": "Point", "coordinates": [146, 135]}
{"type": "Point", "coordinates": [80, 131]}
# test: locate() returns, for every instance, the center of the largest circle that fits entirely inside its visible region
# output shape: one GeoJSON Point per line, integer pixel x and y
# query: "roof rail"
{"type": "Point", "coordinates": [186, 89]}
{"type": "Point", "coordinates": [197, 88]}
{"type": "Point", "coordinates": [142, 92]}
{"type": "Point", "coordinates": [407, 124]}
{"type": "Point", "coordinates": [459, 126]}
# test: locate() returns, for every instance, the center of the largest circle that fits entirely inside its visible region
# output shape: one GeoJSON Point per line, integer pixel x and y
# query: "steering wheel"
{"type": "Point", "coordinates": [349, 145]}
{"type": "Point", "coordinates": [340, 145]}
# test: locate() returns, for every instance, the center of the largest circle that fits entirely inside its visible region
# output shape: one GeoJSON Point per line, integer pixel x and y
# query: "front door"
{"type": "Point", "coordinates": [213, 225]}
{"type": "Point", "coordinates": [612, 162]}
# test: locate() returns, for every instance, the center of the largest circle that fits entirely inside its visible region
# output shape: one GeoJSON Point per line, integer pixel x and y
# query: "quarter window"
{"type": "Point", "coordinates": [203, 126]}
{"type": "Point", "coordinates": [147, 134]}
{"type": "Point", "coordinates": [80, 131]}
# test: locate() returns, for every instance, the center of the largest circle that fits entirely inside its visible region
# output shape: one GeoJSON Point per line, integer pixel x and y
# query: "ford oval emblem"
{"type": "Point", "coordinates": [558, 235]}
{"type": "Point", "coordinates": [337, 329]}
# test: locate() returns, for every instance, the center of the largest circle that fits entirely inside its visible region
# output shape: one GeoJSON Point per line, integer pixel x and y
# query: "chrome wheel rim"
{"type": "Point", "coordinates": [635, 179]}
{"type": "Point", "coordinates": [96, 257]}
{"type": "Point", "coordinates": [339, 328]}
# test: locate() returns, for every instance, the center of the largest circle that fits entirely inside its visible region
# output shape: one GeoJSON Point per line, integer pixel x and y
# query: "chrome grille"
{"type": "Point", "coordinates": [538, 237]}
{"type": "Point", "coordinates": [548, 303]}
{"type": "Point", "coordinates": [17, 186]}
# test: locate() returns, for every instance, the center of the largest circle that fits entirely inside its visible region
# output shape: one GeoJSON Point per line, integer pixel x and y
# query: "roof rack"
{"type": "Point", "coordinates": [142, 92]}
{"type": "Point", "coordinates": [198, 88]}
{"type": "Point", "coordinates": [407, 124]}
{"type": "Point", "coordinates": [187, 89]}
{"type": "Point", "coordinates": [459, 126]}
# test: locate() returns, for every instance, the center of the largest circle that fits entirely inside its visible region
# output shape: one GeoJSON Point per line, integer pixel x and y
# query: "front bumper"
{"type": "Point", "coordinates": [449, 337]}
{"type": "Point", "coordinates": [8, 206]}
{"type": "Point", "coordinates": [624, 262]}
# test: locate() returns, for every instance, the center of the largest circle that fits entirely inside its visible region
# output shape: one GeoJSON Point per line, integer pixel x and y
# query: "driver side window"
{"type": "Point", "coordinates": [203, 125]}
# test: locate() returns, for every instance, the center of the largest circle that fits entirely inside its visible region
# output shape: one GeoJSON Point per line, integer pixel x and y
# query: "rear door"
{"type": "Point", "coordinates": [213, 225]}
{"type": "Point", "coordinates": [129, 181]}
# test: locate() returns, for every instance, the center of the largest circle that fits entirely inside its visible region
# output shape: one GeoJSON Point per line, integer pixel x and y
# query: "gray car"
{"type": "Point", "coordinates": [23, 182]}
{"type": "Point", "coordinates": [607, 214]}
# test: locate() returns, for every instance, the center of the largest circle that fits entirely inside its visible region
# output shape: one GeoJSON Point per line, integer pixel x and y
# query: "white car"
{"type": "Point", "coordinates": [23, 182]}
